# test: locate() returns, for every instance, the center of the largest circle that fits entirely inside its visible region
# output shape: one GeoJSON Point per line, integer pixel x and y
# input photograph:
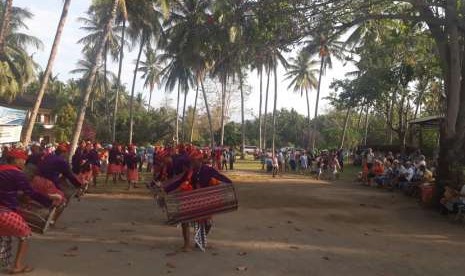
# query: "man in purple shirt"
{"type": "Point", "coordinates": [12, 224]}
{"type": "Point", "coordinates": [47, 180]}
{"type": "Point", "coordinates": [199, 176]}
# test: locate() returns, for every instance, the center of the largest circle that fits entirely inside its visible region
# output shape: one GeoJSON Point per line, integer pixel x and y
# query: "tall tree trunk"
{"type": "Point", "coordinates": [346, 123]}
{"type": "Point", "coordinates": [365, 137]}
{"type": "Point", "coordinates": [274, 107]}
{"type": "Point", "coordinates": [212, 135]}
{"type": "Point", "coordinates": [131, 100]}
{"type": "Point", "coordinates": [177, 114]}
{"type": "Point", "coordinates": [150, 98]}
{"type": "Point", "coordinates": [107, 94]}
{"type": "Point", "coordinates": [266, 108]}
{"type": "Point", "coordinates": [309, 124]}
{"type": "Point", "coordinates": [223, 109]}
{"type": "Point", "coordinates": [5, 26]}
{"type": "Point", "coordinates": [47, 73]}
{"type": "Point", "coordinates": [359, 121]}
{"type": "Point", "coordinates": [118, 82]}
{"type": "Point", "coordinates": [391, 116]}
{"type": "Point", "coordinates": [418, 103]}
{"type": "Point", "coordinates": [193, 113]}
{"type": "Point", "coordinates": [242, 116]}
{"type": "Point", "coordinates": [260, 123]}
{"type": "Point", "coordinates": [183, 126]}
{"type": "Point", "coordinates": [322, 63]}
{"type": "Point", "coordinates": [91, 79]}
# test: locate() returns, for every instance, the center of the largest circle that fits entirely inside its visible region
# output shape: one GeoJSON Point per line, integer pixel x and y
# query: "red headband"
{"type": "Point", "coordinates": [17, 154]}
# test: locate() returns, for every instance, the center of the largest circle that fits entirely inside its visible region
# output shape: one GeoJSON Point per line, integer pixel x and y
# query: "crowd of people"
{"type": "Point", "coordinates": [34, 173]}
{"type": "Point", "coordinates": [322, 164]}
{"type": "Point", "coordinates": [413, 175]}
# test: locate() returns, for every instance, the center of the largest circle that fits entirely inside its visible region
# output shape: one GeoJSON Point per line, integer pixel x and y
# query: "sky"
{"type": "Point", "coordinates": [43, 25]}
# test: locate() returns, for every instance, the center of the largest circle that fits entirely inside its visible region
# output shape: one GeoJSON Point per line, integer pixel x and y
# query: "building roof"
{"type": "Point", "coordinates": [26, 101]}
{"type": "Point", "coordinates": [430, 121]}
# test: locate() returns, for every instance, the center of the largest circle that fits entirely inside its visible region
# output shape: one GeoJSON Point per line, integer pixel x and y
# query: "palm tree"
{"type": "Point", "coordinates": [89, 83]}
{"type": "Point", "coordinates": [101, 82]}
{"type": "Point", "coordinates": [124, 14]}
{"type": "Point", "coordinates": [5, 25]}
{"type": "Point", "coordinates": [94, 25]}
{"type": "Point", "coordinates": [326, 47]}
{"type": "Point", "coordinates": [176, 74]}
{"type": "Point", "coordinates": [273, 58]}
{"type": "Point", "coordinates": [17, 68]}
{"type": "Point", "coordinates": [151, 70]}
{"type": "Point", "coordinates": [47, 73]}
{"type": "Point", "coordinates": [145, 26]}
{"type": "Point", "coordinates": [302, 76]}
{"type": "Point", "coordinates": [193, 113]}
{"type": "Point", "coordinates": [189, 31]}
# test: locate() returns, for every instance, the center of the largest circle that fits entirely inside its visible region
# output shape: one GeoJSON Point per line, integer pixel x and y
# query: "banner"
{"type": "Point", "coordinates": [10, 134]}
{"type": "Point", "coordinates": [11, 124]}
{"type": "Point", "coordinates": [12, 117]}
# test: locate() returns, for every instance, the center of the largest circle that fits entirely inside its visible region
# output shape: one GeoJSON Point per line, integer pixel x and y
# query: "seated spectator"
{"type": "Point", "coordinates": [377, 170]}
{"type": "Point", "coordinates": [406, 176]}
{"type": "Point", "coordinates": [386, 178]}
{"type": "Point", "coordinates": [421, 161]}
{"type": "Point", "coordinates": [453, 199]}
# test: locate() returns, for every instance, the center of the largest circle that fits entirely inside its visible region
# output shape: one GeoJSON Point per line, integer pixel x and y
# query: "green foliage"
{"type": "Point", "coordinates": [66, 116]}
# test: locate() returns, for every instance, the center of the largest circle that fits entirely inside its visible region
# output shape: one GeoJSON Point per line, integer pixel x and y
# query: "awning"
{"type": "Point", "coordinates": [428, 122]}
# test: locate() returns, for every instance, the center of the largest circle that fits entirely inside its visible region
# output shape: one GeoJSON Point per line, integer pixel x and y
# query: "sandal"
{"type": "Point", "coordinates": [24, 270]}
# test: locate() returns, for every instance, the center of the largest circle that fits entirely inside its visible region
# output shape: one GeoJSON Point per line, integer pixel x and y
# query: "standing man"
{"type": "Point", "coordinates": [304, 162]}
{"type": "Point", "coordinates": [232, 158]}
{"type": "Point", "coordinates": [225, 160]}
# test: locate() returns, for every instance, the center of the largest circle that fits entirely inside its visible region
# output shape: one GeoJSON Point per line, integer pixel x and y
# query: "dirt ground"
{"type": "Point", "coordinates": [285, 226]}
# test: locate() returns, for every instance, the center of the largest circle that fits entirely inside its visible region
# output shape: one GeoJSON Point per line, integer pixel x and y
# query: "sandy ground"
{"type": "Point", "coordinates": [284, 227]}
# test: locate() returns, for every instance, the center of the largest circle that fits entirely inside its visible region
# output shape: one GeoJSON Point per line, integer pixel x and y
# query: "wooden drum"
{"type": "Point", "coordinates": [36, 216]}
{"type": "Point", "coordinates": [189, 206]}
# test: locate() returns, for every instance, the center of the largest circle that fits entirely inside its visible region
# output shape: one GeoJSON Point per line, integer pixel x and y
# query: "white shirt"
{"type": "Point", "coordinates": [410, 173]}
{"type": "Point", "coordinates": [304, 161]}
{"type": "Point", "coordinates": [370, 157]}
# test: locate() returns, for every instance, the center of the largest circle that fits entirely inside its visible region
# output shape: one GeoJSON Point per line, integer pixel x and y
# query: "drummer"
{"type": "Point", "coordinates": [12, 181]}
{"type": "Point", "coordinates": [196, 176]}
{"type": "Point", "coordinates": [47, 180]}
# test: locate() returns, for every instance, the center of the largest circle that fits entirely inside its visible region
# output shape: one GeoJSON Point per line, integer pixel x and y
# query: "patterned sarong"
{"type": "Point", "coordinates": [201, 230]}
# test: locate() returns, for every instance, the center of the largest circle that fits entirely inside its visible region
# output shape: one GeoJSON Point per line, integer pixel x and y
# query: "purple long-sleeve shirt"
{"type": "Point", "coordinates": [34, 159]}
{"type": "Point", "coordinates": [130, 160]}
{"type": "Point", "coordinates": [54, 165]}
{"type": "Point", "coordinates": [12, 180]}
{"type": "Point", "coordinates": [93, 158]}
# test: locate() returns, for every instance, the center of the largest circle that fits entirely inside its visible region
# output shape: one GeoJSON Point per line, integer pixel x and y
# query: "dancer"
{"type": "Point", "coordinates": [115, 159]}
{"type": "Point", "coordinates": [131, 160]}
{"type": "Point", "coordinates": [196, 176]}
{"type": "Point", "coordinates": [47, 180]}
{"type": "Point", "coordinates": [12, 224]}
{"type": "Point", "coordinates": [93, 158]}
